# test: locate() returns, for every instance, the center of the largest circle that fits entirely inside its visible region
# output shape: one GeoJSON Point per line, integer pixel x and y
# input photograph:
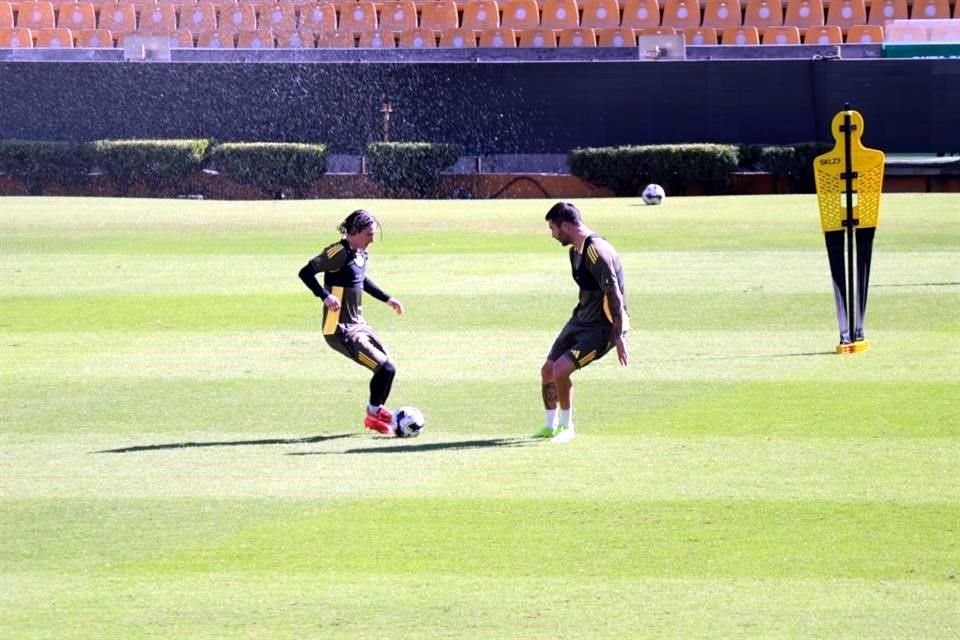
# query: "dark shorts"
{"type": "Point", "coordinates": [360, 343]}
{"type": "Point", "coordinates": [582, 342]}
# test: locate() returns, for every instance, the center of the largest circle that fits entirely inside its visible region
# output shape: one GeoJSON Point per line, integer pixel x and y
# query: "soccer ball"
{"type": "Point", "coordinates": [408, 422]}
{"type": "Point", "coordinates": [653, 194]}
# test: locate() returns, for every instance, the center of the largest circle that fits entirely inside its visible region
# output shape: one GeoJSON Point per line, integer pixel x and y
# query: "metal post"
{"type": "Point", "coordinates": [850, 222]}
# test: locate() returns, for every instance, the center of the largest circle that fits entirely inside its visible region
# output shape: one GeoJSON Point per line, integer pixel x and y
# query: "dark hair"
{"type": "Point", "coordinates": [563, 212]}
{"type": "Point", "coordinates": [356, 222]}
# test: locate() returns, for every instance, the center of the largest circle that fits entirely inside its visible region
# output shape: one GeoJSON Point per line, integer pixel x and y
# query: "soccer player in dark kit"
{"type": "Point", "coordinates": [344, 268]}
{"type": "Point", "coordinates": [599, 322]}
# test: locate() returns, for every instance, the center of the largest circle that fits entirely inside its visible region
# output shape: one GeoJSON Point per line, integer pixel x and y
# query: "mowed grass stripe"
{"type": "Point", "coordinates": [208, 410]}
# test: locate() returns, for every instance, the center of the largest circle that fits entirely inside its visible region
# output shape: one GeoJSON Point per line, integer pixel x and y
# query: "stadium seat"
{"type": "Point", "coordinates": [215, 40]}
{"type": "Point", "coordinates": [804, 13]}
{"type": "Point", "coordinates": [640, 14]}
{"type": "Point", "coordinates": [93, 38]}
{"type": "Point", "coordinates": [656, 31]}
{"type": "Point", "coordinates": [36, 15]}
{"type": "Point", "coordinates": [481, 14]}
{"type": "Point", "coordinates": [600, 13]}
{"type": "Point", "coordinates": [930, 10]}
{"type": "Point", "coordinates": [118, 18]}
{"type": "Point", "coordinates": [278, 17]}
{"type": "Point", "coordinates": [336, 40]}
{"type": "Point", "coordinates": [158, 19]}
{"type": "Point", "coordinates": [560, 14]}
{"type": "Point", "coordinates": [199, 17]}
{"type": "Point", "coordinates": [296, 40]}
{"type": "Point", "coordinates": [460, 38]}
{"type": "Point", "coordinates": [417, 39]}
{"type": "Point", "coordinates": [824, 34]}
{"type": "Point", "coordinates": [681, 14]}
{"type": "Point", "coordinates": [234, 18]}
{"type": "Point", "coordinates": [520, 14]}
{"type": "Point", "coordinates": [181, 39]}
{"type": "Point", "coordinates": [700, 36]}
{"type": "Point", "coordinates": [56, 38]}
{"type": "Point", "coordinates": [721, 14]}
{"type": "Point", "coordinates": [906, 31]}
{"type": "Point", "coordinates": [946, 31]}
{"type": "Point", "coordinates": [499, 38]}
{"type": "Point", "coordinates": [763, 13]}
{"type": "Point", "coordinates": [399, 15]}
{"type": "Point", "coordinates": [846, 13]}
{"type": "Point", "coordinates": [881, 11]}
{"type": "Point", "coordinates": [743, 35]}
{"type": "Point", "coordinates": [358, 17]}
{"type": "Point", "coordinates": [579, 37]}
{"type": "Point", "coordinates": [537, 38]}
{"type": "Point", "coordinates": [318, 17]}
{"type": "Point", "coordinates": [16, 38]}
{"type": "Point", "coordinates": [76, 16]}
{"type": "Point", "coordinates": [784, 34]}
{"type": "Point", "coordinates": [377, 39]}
{"type": "Point", "coordinates": [865, 34]}
{"type": "Point", "coordinates": [616, 37]}
{"type": "Point", "coordinates": [6, 16]}
{"type": "Point", "coordinates": [259, 39]}
{"type": "Point", "coordinates": [439, 15]}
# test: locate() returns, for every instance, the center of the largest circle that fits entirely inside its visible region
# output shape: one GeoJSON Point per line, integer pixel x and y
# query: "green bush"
{"type": "Point", "coordinates": [274, 167]}
{"type": "Point", "coordinates": [159, 163]}
{"type": "Point", "coordinates": [626, 170]}
{"type": "Point", "coordinates": [39, 164]}
{"type": "Point", "coordinates": [409, 169]}
{"type": "Point", "coordinates": [793, 162]}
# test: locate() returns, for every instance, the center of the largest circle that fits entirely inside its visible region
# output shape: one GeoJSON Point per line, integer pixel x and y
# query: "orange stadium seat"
{"type": "Point", "coordinates": [743, 35]}
{"type": "Point", "coordinates": [181, 39]}
{"type": "Point", "coordinates": [579, 37]}
{"type": "Point", "coordinates": [235, 18]}
{"type": "Point", "coordinates": [439, 15]}
{"type": "Point", "coordinates": [36, 15]}
{"type": "Point", "coordinates": [905, 32]}
{"type": "Point", "coordinates": [336, 40]}
{"type": "Point", "coordinates": [358, 17]}
{"type": "Point", "coordinates": [57, 38]}
{"type": "Point", "coordinates": [520, 14]}
{"type": "Point", "coordinates": [865, 34]}
{"type": "Point", "coordinates": [784, 34]}
{"type": "Point", "coordinates": [883, 10]}
{"type": "Point", "coordinates": [500, 38]}
{"type": "Point", "coordinates": [656, 31]}
{"type": "Point", "coordinates": [824, 34]}
{"type": "Point", "coordinates": [16, 38]}
{"type": "Point", "coordinates": [763, 13]}
{"type": "Point", "coordinates": [377, 39]}
{"type": "Point", "coordinates": [640, 14]}
{"type": "Point", "coordinates": [721, 14]}
{"type": "Point", "coordinates": [481, 14]}
{"type": "Point", "coordinates": [6, 15]}
{"type": "Point", "coordinates": [159, 18]}
{"type": "Point", "coordinates": [846, 13]}
{"type": "Point", "coordinates": [93, 38]}
{"type": "Point", "coordinates": [804, 13]}
{"type": "Point", "coordinates": [296, 40]}
{"type": "Point", "coordinates": [77, 15]}
{"type": "Point", "coordinates": [600, 13]}
{"type": "Point", "coordinates": [930, 10]}
{"type": "Point", "coordinates": [280, 16]}
{"type": "Point", "coordinates": [699, 36]}
{"type": "Point", "coordinates": [400, 15]}
{"type": "Point", "coordinates": [118, 18]}
{"type": "Point", "coordinates": [537, 38]}
{"type": "Point", "coordinates": [946, 31]}
{"type": "Point", "coordinates": [616, 37]}
{"type": "Point", "coordinates": [199, 17]}
{"type": "Point", "coordinates": [318, 17]}
{"type": "Point", "coordinates": [458, 38]}
{"type": "Point", "coordinates": [421, 38]}
{"type": "Point", "coordinates": [215, 40]}
{"type": "Point", "coordinates": [259, 39]}
{"type": "Point", "coordinates": [681, 14]}
{"type": "Point", "coordinates": [560, 14]}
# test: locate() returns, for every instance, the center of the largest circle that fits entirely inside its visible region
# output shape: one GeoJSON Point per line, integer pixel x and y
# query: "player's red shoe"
{"type": "Point", "coordinates": [376, 422]}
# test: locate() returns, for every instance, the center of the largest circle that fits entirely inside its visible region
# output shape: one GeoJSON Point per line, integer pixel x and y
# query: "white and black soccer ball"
{"type": "Point", "coordinates": [653, 194]}
{"type": "Point", "coordinates": [408, 422]}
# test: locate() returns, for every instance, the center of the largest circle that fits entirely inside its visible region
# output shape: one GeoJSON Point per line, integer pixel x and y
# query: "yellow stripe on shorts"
{"type": "Point", "coordinates": [333, 317]}
{"type": "Point", "coordinates": [366, 361]}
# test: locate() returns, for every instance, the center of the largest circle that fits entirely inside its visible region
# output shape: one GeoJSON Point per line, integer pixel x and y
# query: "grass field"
{"type": "Point", "coordinates": [181, 455]}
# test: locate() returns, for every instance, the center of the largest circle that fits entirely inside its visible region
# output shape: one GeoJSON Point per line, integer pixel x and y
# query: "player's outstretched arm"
{"type": "Point", "coordinates": [615, 304]}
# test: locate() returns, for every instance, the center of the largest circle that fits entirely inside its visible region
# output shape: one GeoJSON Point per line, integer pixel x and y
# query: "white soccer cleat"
{"type": "Point", "coordinates": [564, 435]}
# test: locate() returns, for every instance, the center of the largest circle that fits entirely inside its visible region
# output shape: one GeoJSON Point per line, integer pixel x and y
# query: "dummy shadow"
{"type": "Point", "coordinates": [229, 443]}
{"type": "Point", "coordinates": [426, 446]}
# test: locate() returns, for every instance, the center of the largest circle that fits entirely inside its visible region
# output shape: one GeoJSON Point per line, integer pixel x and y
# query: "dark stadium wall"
{"type": "Point", "coordinates": [490, 108]}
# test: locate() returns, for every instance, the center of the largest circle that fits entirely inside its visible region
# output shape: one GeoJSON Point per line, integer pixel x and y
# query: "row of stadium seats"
{"type": "Point", "coordinates": [402, 15]}
{"type": "Point", "coordinates": [20, 37]}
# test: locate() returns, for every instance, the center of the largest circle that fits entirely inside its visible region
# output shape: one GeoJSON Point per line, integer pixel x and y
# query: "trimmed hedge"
{"type": "Point", "coordinates": [409, 169]}
{"type": "Point", "coordinates": [793, 162]}
{"type": "Point", "coordinates": [159, 163]}
{"type": "Point", "coordinates": [274, 167]}
{"type": "Point", "coordinates": [39, 164]}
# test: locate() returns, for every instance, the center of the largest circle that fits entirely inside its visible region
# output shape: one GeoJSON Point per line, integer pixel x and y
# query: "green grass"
{"type": "Point", "coordinates": [182, 457]}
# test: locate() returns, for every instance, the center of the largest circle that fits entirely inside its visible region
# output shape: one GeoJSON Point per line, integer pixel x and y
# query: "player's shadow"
{"type": "Point", "coordinates": [229, 443]}
{"type": "Point", "coordinates": [426, 446]}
